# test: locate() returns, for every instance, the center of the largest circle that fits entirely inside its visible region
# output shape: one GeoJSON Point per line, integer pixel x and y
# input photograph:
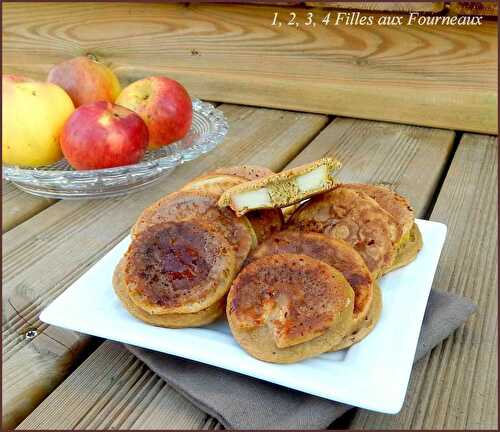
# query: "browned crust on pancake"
{"type": "Point", "coordinates": [178, 267]}
{"type": "Point", "coordinates": [333, 252]}
{"type": "Point", "coordinates": [352, 216]}
{"type": "Point", "coordinates": [282, 192]}
{"type": "Point", "coordinates": [197, 319]}
{"type": "Point", "coordinates": [365, 326]}
{"type": "Point", "coordinates": [199, 206]}
{"type": "Point", "coordinates": [213, 183]}
{"type": "Point", "coordinates": [409, 251]}
{"type": "Point", "coordinates": [299, 295]}
{"type": "Point", "coordinates": [294, 301]}
{"type": "Point", "coordinates": [396, 205]}
{"type": "Point", "coordinates": [264, 222]}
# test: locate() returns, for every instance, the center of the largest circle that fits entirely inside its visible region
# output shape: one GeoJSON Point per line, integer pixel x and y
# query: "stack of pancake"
{"type": "Point", "coordinates": [290, 290]}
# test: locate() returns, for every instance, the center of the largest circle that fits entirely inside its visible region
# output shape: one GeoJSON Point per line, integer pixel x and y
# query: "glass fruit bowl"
{"type": "Point", "coordinates": [59, 180]}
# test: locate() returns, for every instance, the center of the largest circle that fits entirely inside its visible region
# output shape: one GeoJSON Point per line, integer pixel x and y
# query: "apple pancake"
{"type": "Point", "coordinates": [409, 250]}
{"type": "Point", "coordinates": [213, 183]}
{"type": "Point", "coordinates": [356, 218]}
{"type": "Point", "coordinates": [175, 320]}
{"type": "Point", "coordinates": [265, 222]}
{"type": "Point", "coordinates": [201, 206]}
{"type": "Point", "coordinates": [283, 189]}
{"type": "Point", "coordinates": [401, 210]}
{"type": "Point", "coordinates": [333, 252]}
{"type": "Point", "coordinates": [366, 325]}
{"type": "Point", "coordinates": [288, 307]}
{"type": "Point", "coordinates": [178, 267]}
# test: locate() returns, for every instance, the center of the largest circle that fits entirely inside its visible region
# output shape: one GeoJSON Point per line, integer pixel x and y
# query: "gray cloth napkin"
{"type": "Point", "coordinates": [241, 402]}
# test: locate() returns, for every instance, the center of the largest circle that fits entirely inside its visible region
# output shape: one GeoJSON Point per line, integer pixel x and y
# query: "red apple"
{"type": "Point", "coordinates": [85, 80]}
{"type": "Point", "coordinates": [163, 104]}
{"type": "Point", "coordinates": [103, 135]}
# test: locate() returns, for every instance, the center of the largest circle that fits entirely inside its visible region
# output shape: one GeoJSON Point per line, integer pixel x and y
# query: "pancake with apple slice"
{"type": "Point", "coordinates": [283, 189]}
{"type": "Point", "coordinates": [400, 209]}
{"type": "Point", "coordinates": [288, 307]}
{"type": "Point", "coordinates": [264, 222]}
{"type": "Point", "coordinates": [354, 217]}
{"type": "Point", "coordinates": [201, 207]}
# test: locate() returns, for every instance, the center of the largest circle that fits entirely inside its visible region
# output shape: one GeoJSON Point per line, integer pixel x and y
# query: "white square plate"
{"type": "Point", "coordinates": [372, 374]}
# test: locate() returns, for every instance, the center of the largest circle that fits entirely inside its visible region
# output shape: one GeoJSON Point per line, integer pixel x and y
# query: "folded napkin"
{"type": "Point", "coordinates": [241, 402]}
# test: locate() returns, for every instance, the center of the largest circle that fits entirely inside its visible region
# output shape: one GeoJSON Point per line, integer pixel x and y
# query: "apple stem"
{"type": "Point", "coordinates": [92, 57]}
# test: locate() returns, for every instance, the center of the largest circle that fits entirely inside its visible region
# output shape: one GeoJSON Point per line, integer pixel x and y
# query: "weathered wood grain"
{"type": "Point", "coordinates": [400, 156]}
{"type": "Point", "coordinates": [440, 76]}
{"type": "Point", "coordinates": [456, 385]}
{"type": "Point", "coordinates": [115, 381]}
{"type": "Point", "coordinates": [428, 6]}
{"type": "Point", "coordinates": [18, 206]}
{"type": "Point", "coordinates": [49, 251]}
{"type": "Point", "coordinates": [407, 159]}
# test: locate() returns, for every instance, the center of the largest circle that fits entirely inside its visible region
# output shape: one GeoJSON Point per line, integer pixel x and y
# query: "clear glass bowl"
{"type": "Point", "coordinates": [61, 181]}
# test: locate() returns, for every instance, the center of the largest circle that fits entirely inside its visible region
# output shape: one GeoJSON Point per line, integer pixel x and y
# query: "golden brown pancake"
{"type": "Point", "coordinates": [400, 209]}
{"type": "Point", "coordinates": [265, 222]}
{"type": "Point", "coordinates": [288, 307]}
{"type": "Point", "coordinates": [202, 207]}
{"type": "Point", "coordinates": [356, 218]}
{"type": "Point", "coordinates": [366, 325]}
{"type": "Point", "coordinates": [178, 267]}
{"type": "Point", "coordinates": [281, 190]}
{"type": "Point", "coordinates": [409, 250]}
{"type": "Point", "coordinates": [333, 252]}
{"type": "Point", "coordinates": [396, 205]}
{"type": "Point", "coordinates": [196, 319]}
{"type": "Point", "coordinates": [213, 183]}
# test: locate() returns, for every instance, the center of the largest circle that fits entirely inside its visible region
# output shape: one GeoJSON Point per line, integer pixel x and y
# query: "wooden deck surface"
{"type": "Point", "coordinates": [111, 389]}
{"type": "Point", "coordinates": [439, 76]}
{"type": "Point", "coordinates": [64, 380]}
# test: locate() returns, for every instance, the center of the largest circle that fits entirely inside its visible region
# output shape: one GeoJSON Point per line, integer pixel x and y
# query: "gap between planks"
{"type": "Point", "coordinates": [403, 157]}
{"type": "Point", "coordinates": [48, 252]}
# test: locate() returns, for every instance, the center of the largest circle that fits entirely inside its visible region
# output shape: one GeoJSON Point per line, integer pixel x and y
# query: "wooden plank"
{"type": "Point", "coordinates": [439, 76]}
{"type": "Point", "coordinates": [413, 156]}
{"type": "Point", "coordinates": [115, 380]}
{"type": "Point", "coordinates": [18, 206]}
{"type": "Point", "coordinates": [49, 251]}
{"type": "Point", "coordinates": [456, 385]}
{"type": "Point", "coordinates": [428, 6]}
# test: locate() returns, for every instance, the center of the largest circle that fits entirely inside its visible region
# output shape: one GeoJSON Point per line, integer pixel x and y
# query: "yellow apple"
{"type": "Point", "coordinates": [33, 115]}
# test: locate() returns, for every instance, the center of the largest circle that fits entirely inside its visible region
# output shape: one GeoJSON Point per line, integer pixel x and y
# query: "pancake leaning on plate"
{"type": "Point", "coordinates": [285, 308]}
{"type": "Point", "coordinates": [200, 206]}
{"type": "Point", "coordinates": [283, 189]}
{"type": "Point", "coordinates": [181, 269]}
{"type": "Point", "coordinates": [356, 218]}
{"type": "Point", "coordinates": [264, 222]}
{"type": "Point", "coordinates": [333, 252]}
